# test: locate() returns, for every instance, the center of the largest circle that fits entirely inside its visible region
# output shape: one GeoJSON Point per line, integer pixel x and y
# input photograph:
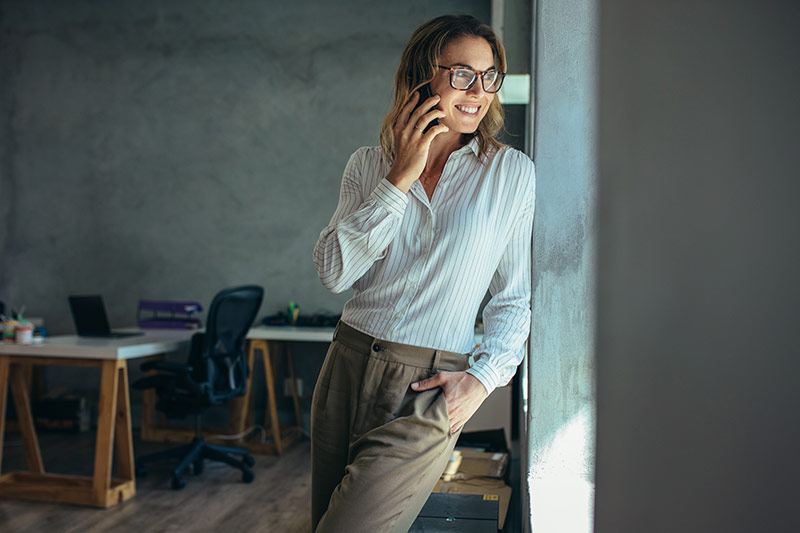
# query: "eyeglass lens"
{"type": "Point", "coordinates": [463, 78]}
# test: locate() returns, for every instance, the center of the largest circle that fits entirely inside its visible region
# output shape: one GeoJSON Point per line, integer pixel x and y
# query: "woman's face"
{"type": "Point", "coordinates": [465, 109]}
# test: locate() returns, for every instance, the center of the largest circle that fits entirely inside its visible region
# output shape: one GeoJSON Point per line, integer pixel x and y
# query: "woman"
{"type": "Point", "coordinates": [425, 224]}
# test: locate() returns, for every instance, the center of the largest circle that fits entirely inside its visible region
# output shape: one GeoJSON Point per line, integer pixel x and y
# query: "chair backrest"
{"type": "Point", "coordinates": [220, 361]}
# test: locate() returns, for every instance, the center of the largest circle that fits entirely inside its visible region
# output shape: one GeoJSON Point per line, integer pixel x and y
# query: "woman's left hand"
{"type": "Point", "coordinates": [463, 394]}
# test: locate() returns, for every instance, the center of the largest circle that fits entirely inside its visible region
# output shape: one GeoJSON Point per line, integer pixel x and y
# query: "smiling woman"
{"type": "Point", "coordinates": [426, 222]}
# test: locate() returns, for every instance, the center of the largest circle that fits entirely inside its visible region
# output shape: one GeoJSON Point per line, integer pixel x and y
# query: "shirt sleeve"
{"type": "Point", "coordinates": [362, 227]}
{"type": "Point", "coordinates": [507, 315]}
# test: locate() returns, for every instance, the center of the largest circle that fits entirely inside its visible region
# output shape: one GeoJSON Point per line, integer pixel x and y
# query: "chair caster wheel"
{"type": "Point", "coordinates": [177, 483]}
{"type": "Point", "coordinates": [248, 476]}
{"type": "Point", "coordinates": [248, 460]}
{"type": "Point", "coordinates": [140, 470]}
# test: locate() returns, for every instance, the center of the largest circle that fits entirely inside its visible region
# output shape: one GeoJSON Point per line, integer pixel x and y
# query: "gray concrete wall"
{"type": "Point", "coordinates": [698, 299]}
{"type": "Point", "coordinates": [561, 367]}
{"type": "Point", "coordinates": [168, 149]}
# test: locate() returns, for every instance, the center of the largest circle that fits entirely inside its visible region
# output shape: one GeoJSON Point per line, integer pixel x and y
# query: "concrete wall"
{"type": "Point", "coordinates": [698, 299]}
{"type": "Point", "coordinates": [560, 366]}
{"type": "Point", "coordinates": [156, 149]}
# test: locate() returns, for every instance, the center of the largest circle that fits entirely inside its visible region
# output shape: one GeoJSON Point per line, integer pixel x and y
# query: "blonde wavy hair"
{"type": "Point", "coordinates": [418, 67]}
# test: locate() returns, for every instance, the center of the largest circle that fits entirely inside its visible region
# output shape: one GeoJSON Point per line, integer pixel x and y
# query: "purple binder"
{"type": "Point", "coordinates": [166, 314]}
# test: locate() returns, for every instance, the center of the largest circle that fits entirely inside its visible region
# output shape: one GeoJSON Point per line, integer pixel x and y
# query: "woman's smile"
{"type": "Point", "coordinates": [470, 109]}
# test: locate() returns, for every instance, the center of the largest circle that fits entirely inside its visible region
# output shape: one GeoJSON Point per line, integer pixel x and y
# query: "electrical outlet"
{"type": "Point", "coordinates": [287, 387]}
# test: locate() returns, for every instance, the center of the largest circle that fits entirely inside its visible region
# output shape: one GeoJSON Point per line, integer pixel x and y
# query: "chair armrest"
{"type": "Point", "coordinates": [167, 366]}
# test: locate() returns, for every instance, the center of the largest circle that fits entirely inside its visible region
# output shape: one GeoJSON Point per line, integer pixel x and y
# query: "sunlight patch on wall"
{"type": "Point", "coordinates": [562, 491]}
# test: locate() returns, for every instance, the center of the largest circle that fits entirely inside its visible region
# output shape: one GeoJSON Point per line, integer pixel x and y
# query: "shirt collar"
{"type": "Point", "coordinates": [472, 145]}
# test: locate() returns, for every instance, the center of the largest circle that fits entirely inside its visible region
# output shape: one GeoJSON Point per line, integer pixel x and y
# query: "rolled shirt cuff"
{"type": "Point", "coordinates": [487, 375]}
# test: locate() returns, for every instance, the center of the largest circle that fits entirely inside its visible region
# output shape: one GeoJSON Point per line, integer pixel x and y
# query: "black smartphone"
{"type": "Point", "coordinates": [424, 94]}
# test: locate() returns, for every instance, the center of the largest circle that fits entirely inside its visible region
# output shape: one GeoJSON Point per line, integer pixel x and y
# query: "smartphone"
{"type": "Point", "coordinates": [424, 94]}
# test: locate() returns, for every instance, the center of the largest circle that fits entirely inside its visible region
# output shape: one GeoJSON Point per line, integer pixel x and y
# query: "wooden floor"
{"type": "Point", "coordinates": [278, 500]}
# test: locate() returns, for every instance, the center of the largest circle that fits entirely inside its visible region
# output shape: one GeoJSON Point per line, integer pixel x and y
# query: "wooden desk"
{"type": "Point", "coordinates": [113, 417]}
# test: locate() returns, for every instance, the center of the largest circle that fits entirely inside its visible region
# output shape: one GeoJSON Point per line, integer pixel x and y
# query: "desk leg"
{"type": "Point", "coordinates": [107, 409]}
{"type": "Point", "coordinates": [3, 405]}
{"type": "Point", "coordinates": [19, 389]}
{"type": "Point", "coordinates": [123, 435]}
{"type": "Point", "coordinates": [272, 409]}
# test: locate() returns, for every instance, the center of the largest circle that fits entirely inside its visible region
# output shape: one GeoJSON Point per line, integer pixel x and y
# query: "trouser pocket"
{"type": "Point", "coordinates": [386, 395]}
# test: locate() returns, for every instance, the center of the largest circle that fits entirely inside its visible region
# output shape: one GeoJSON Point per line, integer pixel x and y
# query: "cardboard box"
{"type": "Point", "coordinates": [484, 464]}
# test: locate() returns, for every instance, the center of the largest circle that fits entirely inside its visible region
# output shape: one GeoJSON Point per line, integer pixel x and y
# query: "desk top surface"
{"type": "Point", "coordinates": [151, 342]}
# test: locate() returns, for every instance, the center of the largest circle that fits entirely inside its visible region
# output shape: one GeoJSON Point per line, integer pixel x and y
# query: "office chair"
{"type": "Point", "coordinates": [215, 372]}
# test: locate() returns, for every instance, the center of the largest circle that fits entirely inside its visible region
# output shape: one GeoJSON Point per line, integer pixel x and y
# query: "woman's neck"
{"type": "Point", "coordinates": [441, 148]}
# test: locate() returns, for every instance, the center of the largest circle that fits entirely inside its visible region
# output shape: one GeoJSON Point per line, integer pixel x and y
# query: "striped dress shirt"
{"type": "Point", "coordinates": [420, 269]}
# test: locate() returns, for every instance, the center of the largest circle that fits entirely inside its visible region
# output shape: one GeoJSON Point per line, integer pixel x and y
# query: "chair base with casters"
{"type": "Point", "coordinates": [195, 454]}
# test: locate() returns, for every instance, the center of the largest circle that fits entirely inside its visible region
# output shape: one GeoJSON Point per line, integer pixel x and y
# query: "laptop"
{"type": "Point", "coordinates": [89, 314]}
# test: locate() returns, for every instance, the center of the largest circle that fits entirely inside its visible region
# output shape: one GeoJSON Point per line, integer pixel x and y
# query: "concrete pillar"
{"type": "Point", "coordinates": [560, 364]}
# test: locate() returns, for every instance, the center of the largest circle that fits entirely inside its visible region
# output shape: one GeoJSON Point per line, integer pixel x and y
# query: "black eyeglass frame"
{"type": "Point", "coordinates": [476, 74]}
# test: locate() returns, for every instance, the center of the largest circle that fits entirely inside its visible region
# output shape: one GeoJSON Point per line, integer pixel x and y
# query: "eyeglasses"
{"type": "Point", "coordinates": [462, 78]}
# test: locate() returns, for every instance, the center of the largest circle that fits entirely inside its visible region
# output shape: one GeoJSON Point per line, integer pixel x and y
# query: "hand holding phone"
{"type": "Point", "coordinates": [412, 150]}
{"type": "Point", "coordinates": [424, 94]}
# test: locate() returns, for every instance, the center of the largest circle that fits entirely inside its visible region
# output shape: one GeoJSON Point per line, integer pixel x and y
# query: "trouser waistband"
{"type": "Point", "coordinates": [406, 354]}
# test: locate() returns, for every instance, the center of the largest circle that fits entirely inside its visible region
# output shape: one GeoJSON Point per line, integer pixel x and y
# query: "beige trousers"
{"type": "Point", "coordinates": [377, 447]}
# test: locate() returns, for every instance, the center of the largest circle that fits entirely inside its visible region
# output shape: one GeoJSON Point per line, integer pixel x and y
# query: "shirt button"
{"type": "Point", "coordinates": [376, 347]}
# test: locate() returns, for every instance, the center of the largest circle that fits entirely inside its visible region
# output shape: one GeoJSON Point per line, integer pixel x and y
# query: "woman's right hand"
{"type": "Point", "coordinates": [411, 145]}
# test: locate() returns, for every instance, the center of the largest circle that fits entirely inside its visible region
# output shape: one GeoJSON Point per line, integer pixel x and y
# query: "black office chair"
{"type": "Point", "coordinates": [215, 372]}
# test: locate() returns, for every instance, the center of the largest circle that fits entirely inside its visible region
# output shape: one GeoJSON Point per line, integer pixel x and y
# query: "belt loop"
{"type": "Point", "coordinates": [435, 366]}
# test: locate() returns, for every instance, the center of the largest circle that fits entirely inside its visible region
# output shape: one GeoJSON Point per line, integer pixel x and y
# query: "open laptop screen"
{"type": "Point", "coordinates": [89, 315]}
